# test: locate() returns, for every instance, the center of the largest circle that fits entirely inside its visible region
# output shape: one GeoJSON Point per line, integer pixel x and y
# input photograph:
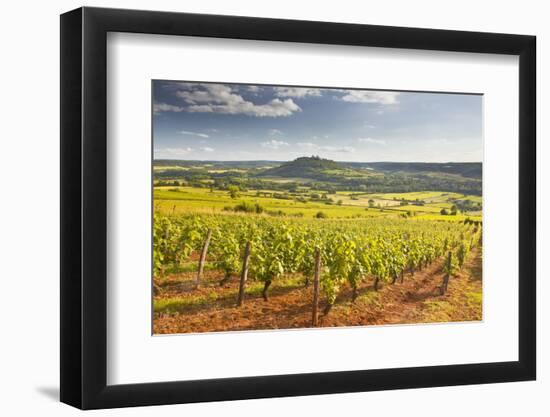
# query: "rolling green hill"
{"type": "Point", "coordinates": [325, 174]}
{"type": "Point", "coordinates": [463, 169]}
{"type": "Point", "coordinates": [315, 168]}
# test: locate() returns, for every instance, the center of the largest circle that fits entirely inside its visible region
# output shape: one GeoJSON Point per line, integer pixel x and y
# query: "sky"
{"type": "Point", "coordinates": [231, 122]}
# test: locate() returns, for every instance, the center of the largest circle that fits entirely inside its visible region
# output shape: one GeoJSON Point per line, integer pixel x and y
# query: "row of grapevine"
{"type": "Point", "coordinates": [384, 250]}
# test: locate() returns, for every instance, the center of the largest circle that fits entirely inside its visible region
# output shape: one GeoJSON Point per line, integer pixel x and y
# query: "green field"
{"type": "Point", "coordinates": [314, 187]}
{"type": "Point", "coordinates": [193, 199]}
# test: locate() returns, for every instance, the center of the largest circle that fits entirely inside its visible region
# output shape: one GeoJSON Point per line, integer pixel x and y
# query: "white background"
{"type": "Point", "coordinates": [134, 356]}
{"type": "Point", "coordinates": [29, 218]}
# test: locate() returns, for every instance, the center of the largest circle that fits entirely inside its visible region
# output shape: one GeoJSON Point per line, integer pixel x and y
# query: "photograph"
{"type": "Point", "coordinates": [284, 207]}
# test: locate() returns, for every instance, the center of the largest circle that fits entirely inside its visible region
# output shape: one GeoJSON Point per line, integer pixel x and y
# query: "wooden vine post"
{"type": "Point", "coordinates": [156, 288]}
{"type": "Point", "coordinates": [316, 276]}
{"type": "Point", "coordinates": [244, 273]}
{"type": "Point", "coordinates": [445, 284]}
{"type": "Point", "coordinates": [203, 258]}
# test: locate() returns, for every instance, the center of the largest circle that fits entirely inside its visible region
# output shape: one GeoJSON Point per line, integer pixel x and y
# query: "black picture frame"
{"type": "Point", "coordinates": [84, 207]}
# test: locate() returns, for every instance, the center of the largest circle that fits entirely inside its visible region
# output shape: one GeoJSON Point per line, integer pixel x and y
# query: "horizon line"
{"type": "Point", "coordinates": [290, 160]}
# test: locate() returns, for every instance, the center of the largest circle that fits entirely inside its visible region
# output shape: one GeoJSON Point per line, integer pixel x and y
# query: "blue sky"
{"type": "Point", "coordinates": [207, 121]}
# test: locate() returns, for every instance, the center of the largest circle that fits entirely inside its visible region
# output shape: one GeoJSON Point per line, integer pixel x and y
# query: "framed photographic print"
{"type": "Point", "coordinates": [258, 207]}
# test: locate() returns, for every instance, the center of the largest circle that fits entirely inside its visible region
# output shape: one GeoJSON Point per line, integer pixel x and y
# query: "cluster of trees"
{"type": "Point", "coordinates": [453, 211]}
{"type": "Point", "coordinates": [256, 208]}
{"type": "Point", "coordinates": [467, 205]}
{"type": "Point", "coordinates": [321, 174]}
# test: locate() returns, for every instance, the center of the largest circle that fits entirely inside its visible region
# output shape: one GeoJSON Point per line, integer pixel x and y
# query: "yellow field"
{"type": "Point", "coordinates": [186, 199]}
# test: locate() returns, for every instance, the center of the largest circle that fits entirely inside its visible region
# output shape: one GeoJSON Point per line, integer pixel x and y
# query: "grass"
{"type": "Point", "coordinates": [439, 217]}
{"type": "Point", "coordinates": [439, 310]}
{"type": "Point", "coordinates": [474, 198]}
{"type": "Point", "coordinates": [189, 267]}
{"type": "Point", "coordinates": [445, 310]}
{"type": "Point", "coordinates": [201, 199]}
{"type": "Point", "coordinates": [256, 288]}
{"type": "Point", "coordinates": [421, 195]}
{"type": "Point", "coordinates": [474, 298]}
{"type": "Point", "coordinates": [419, 209]}
{"type": "Point", "coordinates": [190, 199]}
{"type": "Point", "coordinates": [162, 168]}
{"type": "Point", "coordinates": [363, 201]}
{"type": "Point", "coordinates": [179, 304]}
{"type": "Point", "coordinates": [369, 298]}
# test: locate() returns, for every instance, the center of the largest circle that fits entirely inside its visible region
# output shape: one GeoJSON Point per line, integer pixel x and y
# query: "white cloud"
{"type": "Point", "coordinates": [219, 98]}
{"type": "Point", "coordinates": [274, 132]}
{"type": "Point", "coordinates": [274, 144]}
{"type": "Point", "coordinates": [372, 140]}
{"type": "Point", "coordinates": [186, 132]}
{"type": "Point", "coordinates": [347, 149]}
{"type": "Point", "coordinates": [370, 126]}
{"type": "Point", "coordinates": [172, 153]}
{"type": "Point", "coordinates": [362, 96]}
{"type": "Point", "coordinates": [275, 108]}
{"type": "Point", "coordinates": [163, 107]}
{"type": "Point", "coordinates": [310, 146]}
{"type": "Point", "coordinates": [253, 88]}
{"type": "Point", "coordinates": [296, 92]}
{"type": "Point", "coordinates": [207, 149]}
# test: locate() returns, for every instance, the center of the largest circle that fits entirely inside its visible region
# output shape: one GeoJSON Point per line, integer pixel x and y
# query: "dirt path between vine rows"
{"type": "Point", "coordinates": [179, 308]}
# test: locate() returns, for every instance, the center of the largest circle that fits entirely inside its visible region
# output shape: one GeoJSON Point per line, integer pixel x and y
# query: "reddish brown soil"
{"type": "Point", "coordinates": [417, 300]}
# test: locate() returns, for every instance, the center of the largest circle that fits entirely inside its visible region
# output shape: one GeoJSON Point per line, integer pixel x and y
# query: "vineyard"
{"type": "Point", "coordinates": [326, 260]}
